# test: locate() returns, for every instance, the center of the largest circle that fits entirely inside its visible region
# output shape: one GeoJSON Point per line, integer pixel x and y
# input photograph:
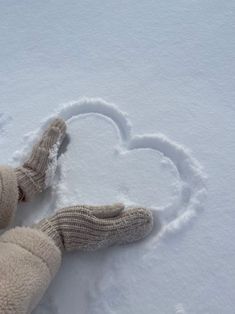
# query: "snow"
{"type": "Point", "coordinates": [53, 162]}
{"type": "Point", "coordinates": [160, 135]}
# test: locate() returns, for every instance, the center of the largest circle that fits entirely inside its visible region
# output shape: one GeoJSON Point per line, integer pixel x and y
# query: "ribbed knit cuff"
{"type": "Point", "coordinates": [27, 183]}
{"type": "Point", "coordinates": [8, 195]}
{"type": "Point", "coordinates": [49, 228]}
{"type": "Point", "coordinates": [37, 243]}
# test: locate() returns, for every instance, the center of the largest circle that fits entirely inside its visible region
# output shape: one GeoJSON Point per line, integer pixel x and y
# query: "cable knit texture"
{"type": "Point", "coordinates": [32, 175]}
{"type": "Point", "coordinates": [93, 227]}
{"type": "Point", "coordinates": [8, 195]}
{"type": "Point", "coordinates": [29, 260]}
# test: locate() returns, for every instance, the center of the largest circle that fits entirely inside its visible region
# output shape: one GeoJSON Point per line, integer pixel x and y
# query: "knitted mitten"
{"type": "Point", "coordinates": [93, 227]}
{"type": "Point", "coordinates": [8, 195]}
{"type": "Point", "coordinates": [34, 175]}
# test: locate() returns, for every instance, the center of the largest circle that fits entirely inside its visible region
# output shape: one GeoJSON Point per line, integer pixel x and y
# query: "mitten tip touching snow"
{"type": "Point", "coordinates": [37, 171]}
{"type": "Point", "coordinates": [90, 228]}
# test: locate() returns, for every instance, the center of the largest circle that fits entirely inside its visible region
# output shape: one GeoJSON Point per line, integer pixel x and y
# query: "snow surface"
{"type": "Point", "coordinates": [169, 68]}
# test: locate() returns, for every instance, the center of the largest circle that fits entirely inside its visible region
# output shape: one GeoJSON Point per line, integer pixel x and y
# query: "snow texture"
{"type": "Point", "coordinates": [170, 66]}
{"type": "Point", "coordinates": [52, 164]}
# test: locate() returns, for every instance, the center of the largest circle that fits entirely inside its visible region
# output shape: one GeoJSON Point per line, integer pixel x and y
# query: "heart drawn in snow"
{"type": "Point", "coordinates": [191, 190]}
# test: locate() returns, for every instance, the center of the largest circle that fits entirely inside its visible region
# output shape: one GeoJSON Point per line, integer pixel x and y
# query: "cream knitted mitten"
{"type": "Point", "coordinates": [32, 177]}
{"type": "Point", "coordinates": [90, 228]}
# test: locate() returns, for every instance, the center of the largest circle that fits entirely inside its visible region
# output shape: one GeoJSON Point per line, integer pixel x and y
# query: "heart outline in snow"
{"type": "Point", "coordinates": [193, 191]}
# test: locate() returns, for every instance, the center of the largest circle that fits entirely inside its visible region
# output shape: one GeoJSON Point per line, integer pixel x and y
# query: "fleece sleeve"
{"type": "Point", "coordinates": [29, 260]}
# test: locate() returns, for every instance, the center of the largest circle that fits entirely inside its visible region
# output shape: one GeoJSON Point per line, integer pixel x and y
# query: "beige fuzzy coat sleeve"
{"type": "Point", "coordinates": [29, 260]}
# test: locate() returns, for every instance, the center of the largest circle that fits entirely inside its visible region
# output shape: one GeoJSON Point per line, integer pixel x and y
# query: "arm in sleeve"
{"type": "Point", "coordinates": [29, 260]}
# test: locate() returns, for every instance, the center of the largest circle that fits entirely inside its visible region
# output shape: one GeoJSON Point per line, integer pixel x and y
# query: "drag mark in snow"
{"type": "Point", "coordinates": [193, 191]}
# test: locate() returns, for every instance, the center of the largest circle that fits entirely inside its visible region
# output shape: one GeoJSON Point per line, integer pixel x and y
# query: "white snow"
{"type": "Point", "coordinates": [52, 164]}
{"type": "Point", "coordinates": [160, 135]}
